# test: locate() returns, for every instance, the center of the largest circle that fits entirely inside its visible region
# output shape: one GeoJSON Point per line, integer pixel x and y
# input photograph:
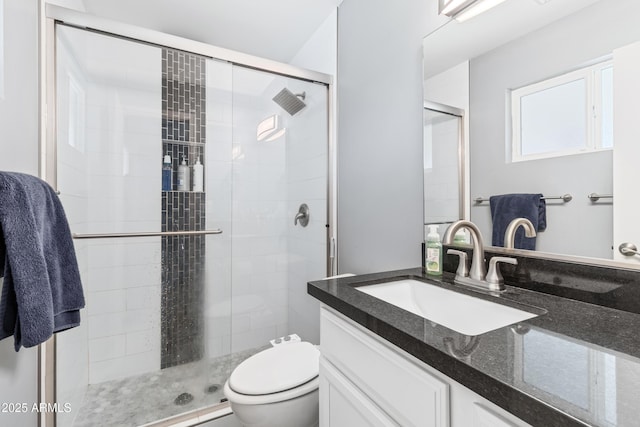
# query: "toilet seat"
{"type": "Point", "coordinates": [244, 399]}
{"type": "Point", "coordinates": [280, 373]}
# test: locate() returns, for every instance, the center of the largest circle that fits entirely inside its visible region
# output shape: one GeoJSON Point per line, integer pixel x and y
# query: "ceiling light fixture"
{"type": "Point", "coordinates": [463, 10]}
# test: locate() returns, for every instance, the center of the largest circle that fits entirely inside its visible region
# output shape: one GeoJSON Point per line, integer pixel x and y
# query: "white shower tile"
{"type": "Point", "coordinates": [142, 320]}
{"type": "Point", "coordinates": [105, 302]}
{"type": "Point", "coordinates": [106, 325]}
{"type": "Point", "coordinates": [124, 367]}
{"type": "Point", "coordinates": [145, 297]}
{"type": "Point", "coordinates": [106, 348]}
{"type": "Point", "coordinates": [143, 342]}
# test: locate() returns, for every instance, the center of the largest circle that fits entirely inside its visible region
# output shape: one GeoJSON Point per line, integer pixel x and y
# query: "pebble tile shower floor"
{"type": "Point", "coordinates": [142, 399]}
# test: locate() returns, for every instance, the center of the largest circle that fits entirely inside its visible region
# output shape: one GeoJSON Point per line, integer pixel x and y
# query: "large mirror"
{"type": "Point", "coordinates": [548, 102]}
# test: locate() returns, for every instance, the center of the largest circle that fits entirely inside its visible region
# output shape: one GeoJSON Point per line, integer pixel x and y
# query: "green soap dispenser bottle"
{"type": "Point", "coordinates": [433, 260]}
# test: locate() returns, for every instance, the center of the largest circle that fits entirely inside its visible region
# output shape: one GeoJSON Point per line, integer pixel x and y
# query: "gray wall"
{"type": "Point", "coordinates": [578, 227]}
{"type": "Point", "coordinates": [19, 152]}
{"type": "Point", "coordinates": [380, 132]}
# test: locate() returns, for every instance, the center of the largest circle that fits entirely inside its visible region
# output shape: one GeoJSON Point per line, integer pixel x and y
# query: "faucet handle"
{"type": "Point", "coordinates": [494, 277]}
{"type": "Point", "coordinates": [463, 268]}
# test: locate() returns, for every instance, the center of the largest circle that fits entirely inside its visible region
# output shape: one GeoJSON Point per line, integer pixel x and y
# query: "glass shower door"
{"type": "Point", "coordinates": [171, 314]}
{"type": "Point", "coordinates": [154, 340]}
{"type": "Point", "coordinates": [279, 163]}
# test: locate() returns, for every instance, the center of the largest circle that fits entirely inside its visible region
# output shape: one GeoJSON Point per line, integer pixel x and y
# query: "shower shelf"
{"type": "Point", "coordinates": [191, 143]}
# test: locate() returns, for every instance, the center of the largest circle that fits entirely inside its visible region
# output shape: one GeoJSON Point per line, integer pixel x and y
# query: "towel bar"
{"type": "Point", "coordinates": [145, 234]}
{"type": "Point", "coordinates": [594, 197]}
{"type": "Point", "coordinates": [565, 198]}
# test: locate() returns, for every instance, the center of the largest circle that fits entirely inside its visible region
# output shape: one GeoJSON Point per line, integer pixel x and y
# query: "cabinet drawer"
{"type": "Point", "coordinates": [411, 396]}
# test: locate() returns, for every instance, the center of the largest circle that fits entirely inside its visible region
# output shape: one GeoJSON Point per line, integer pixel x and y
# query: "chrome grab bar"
{"type": "Point", "coordinates": [145, 234]}
{"type": "Point", "coordinates": [565, 198]}
{"type": "Point", "coordinates": [594, 197]}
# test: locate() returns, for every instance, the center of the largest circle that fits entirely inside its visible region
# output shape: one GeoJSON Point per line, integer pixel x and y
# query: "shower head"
{"type": "Point", "coordinates": [289, 101]}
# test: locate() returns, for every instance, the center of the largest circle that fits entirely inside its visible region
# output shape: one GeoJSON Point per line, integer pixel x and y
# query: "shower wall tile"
{"type": "Point", "coordinates": [112, 301]}
{"type": "Point", "coordinates": [107, 348]}
{"type": "Point", "coordinates": [183, 273]}
{"type": "Point", "coordinates": [106, 325]}
{"type": "Point", "coordinates": [122, 367]}
{"type": "Point", "coordinates": [142, 342]}
{"type": "Point", "coordinates": [144, 297]}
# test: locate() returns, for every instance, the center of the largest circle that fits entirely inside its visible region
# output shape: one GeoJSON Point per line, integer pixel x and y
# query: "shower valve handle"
{"type": "Point", "coordinates": [302, 215]}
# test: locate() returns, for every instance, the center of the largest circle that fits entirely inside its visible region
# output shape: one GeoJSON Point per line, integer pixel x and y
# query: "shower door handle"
{"type": "Point", "coordinates": [628, 249]}
{"type": "Point", "coordinates": [302, 215]}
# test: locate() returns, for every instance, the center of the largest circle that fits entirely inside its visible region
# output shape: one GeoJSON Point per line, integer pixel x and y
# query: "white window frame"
{"type": "Point", "coordinates": [592, 77]}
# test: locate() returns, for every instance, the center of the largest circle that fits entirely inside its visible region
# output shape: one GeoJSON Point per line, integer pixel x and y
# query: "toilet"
{"type": "Point", "coordinates": [277, 387]}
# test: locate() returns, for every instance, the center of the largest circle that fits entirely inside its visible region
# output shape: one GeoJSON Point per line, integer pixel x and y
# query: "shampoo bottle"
{"type": "Point", "coordinates": [166, 173]}
{"type": "Point", "coordinates": [198, 176]}
{"type": "Point", "coordinates": [184, 176]}
{"type": "Point", "coordinates": [433, 252]}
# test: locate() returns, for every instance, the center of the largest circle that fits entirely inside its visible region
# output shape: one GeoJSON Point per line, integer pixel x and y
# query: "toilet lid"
{"type": "Point", "coordinates": [277, 369]}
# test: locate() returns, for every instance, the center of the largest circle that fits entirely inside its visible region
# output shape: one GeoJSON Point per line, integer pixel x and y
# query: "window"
{"type": "Point", "coordinates": [564, 115]}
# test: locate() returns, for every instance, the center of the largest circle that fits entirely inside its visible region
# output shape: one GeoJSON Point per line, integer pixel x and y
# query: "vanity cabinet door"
{"type": "Point", "coordinates": [486, 417]}
{"type": "Point", "coordinates": [411, 396]}
{"type": "Point", "coordinates": [342, 404]}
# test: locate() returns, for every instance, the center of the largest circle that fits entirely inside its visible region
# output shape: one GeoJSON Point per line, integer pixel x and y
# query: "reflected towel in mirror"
{"type": "Point", "coordinates": [507, 207]}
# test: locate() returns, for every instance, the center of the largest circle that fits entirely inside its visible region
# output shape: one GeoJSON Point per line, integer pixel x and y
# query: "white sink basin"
{"type": "Point", "coordinates": [460, 312]}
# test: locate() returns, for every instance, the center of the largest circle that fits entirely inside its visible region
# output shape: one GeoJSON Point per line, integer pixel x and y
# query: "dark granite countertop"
{"type": "Point", "coordinates": [578, 364]}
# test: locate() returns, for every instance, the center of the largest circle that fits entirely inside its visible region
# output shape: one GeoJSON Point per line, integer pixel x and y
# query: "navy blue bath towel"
{"type": "Point", "coordinates": [41, 290]}
{"type": "Point", "coordinates": [507, 207]}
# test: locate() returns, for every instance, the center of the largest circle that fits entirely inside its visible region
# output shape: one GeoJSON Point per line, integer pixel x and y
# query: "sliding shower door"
{"type": "Point", "coordinates": [279, 164]}
{"type": "Point", "coordinates": [154, 340]}
{"type": "Point", "coordinates": [183, 280]}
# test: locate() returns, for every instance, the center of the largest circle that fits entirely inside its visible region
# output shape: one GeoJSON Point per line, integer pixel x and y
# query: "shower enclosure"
{"type": "Point", "coordinates": [182, 281]}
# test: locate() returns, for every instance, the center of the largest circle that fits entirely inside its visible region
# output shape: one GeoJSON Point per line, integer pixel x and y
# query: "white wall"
{"type": "Point", "coordinates": [380, 132]}
{"type": "Point", "coordinates": [19, 149]}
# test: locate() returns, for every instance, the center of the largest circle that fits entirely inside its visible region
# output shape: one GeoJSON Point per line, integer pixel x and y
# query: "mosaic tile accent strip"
{"type": "Point", "coordinates": [183, 133]}
{"type": "Point", "coordinates": [183, 96]}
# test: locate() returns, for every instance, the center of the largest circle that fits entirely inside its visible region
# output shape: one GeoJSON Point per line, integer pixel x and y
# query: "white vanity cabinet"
{"type": "Point", "coordinates": [365, 381]}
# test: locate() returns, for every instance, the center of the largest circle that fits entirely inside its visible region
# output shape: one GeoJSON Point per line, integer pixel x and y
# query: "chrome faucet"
{"type": "Point", "coordinates": [478, 271]}
{"type": "Point", "coordinates": [510, 232]}
{"type": "Point", "coordinates": [477, 276]}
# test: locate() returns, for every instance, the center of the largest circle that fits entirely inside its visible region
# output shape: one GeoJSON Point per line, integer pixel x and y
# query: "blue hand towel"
{"type": "Point", "coordinates": [507, 207]}
{"type": "Point", "coordinates": [41, 291]}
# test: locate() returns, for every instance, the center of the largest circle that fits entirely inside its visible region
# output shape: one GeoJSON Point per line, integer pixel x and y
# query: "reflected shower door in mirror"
{"type": "Point", "coordinates": [534, 53]}
{"type": "Point", "coordinates": [443, 165]}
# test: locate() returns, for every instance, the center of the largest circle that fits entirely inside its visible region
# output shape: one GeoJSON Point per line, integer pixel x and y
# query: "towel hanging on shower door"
{"type": "Point", "coordinates": [41, 290]}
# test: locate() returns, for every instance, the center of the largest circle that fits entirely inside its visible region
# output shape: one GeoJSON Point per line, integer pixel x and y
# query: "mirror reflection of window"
{"type": "Point", "coordinates": [570, 372]}
{"type": "Point", "coordinates": [557, 366]}
{"type": "Point", "coordinates": [606, 113]}
{"type": "Point", "coordinates": [563, 115]}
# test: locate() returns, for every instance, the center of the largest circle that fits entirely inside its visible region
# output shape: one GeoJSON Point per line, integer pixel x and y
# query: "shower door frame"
{"type": "Point", "coordinates": [51, 16]}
